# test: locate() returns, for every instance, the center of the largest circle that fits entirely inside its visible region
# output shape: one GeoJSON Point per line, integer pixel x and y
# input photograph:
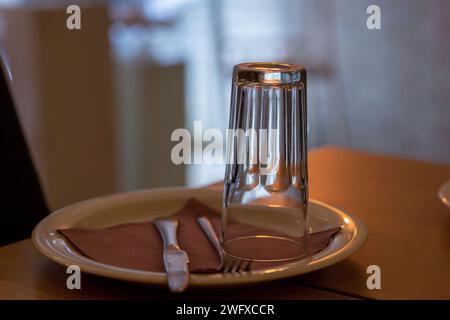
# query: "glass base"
{"type": "Point", "coordinates": [265, 248]}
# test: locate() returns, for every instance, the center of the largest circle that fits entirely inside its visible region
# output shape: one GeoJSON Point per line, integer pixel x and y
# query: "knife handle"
{"type": "Point", "coordinates": [168, 229]}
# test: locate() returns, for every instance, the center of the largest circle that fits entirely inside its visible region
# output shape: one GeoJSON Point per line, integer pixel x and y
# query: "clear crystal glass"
{"type": "Point", "coordinates": [265, 197]}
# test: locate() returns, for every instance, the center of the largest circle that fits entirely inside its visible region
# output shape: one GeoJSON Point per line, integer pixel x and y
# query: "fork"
{"type": "Point", "coordinates": [228, 263]}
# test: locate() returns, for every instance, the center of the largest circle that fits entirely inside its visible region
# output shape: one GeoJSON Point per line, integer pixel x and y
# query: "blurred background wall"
{"type": "Point", "coordinates": [62, 88]}
{"type": "Point", "coordinates": [98, 105]}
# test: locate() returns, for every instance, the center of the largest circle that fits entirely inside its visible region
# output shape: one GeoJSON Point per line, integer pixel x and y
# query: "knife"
{"type": "Point", "coordinates": [175, 260]}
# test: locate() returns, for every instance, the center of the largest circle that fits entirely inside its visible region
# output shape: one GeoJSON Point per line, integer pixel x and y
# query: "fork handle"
{"type": "Point", "coordinates": [167, 227]}
{"type": "Point", "coordinates": [207, 227]}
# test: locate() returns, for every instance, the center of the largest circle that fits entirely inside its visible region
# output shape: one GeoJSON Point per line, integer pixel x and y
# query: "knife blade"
{"type": "Point", "coordinates": [175, 260]}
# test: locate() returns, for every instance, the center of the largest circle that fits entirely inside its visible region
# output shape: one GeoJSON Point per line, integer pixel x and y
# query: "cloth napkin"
{"type": "Point", "coordinates": [139, 245]}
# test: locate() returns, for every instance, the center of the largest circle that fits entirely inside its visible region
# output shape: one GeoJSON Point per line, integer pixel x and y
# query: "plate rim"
{"type": "Point", "coordinates": [197, 280]}
{"type": "Point", "coordinates": [443, 193]}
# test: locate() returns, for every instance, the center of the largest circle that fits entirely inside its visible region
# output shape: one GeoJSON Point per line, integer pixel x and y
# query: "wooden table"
{"type": "Point", "coordinates": [409, 239]}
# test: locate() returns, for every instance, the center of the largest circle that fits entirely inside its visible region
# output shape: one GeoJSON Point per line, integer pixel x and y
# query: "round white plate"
{"type": "Point", "coordinates": [148, 204]}
{"type": "Point", "coordinates": [444, 193]}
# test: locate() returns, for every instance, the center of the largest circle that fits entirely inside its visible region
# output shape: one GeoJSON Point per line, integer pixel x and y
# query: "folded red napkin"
{"type": "Point", "coordinates": [139, 245]}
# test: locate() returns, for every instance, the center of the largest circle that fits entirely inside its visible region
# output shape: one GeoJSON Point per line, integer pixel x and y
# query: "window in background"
{"type": "Point", "coordinates": [209, 37]}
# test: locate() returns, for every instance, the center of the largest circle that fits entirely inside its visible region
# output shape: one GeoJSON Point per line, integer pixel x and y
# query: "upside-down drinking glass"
{"type": "Point", "coordinates": [265, 197]}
